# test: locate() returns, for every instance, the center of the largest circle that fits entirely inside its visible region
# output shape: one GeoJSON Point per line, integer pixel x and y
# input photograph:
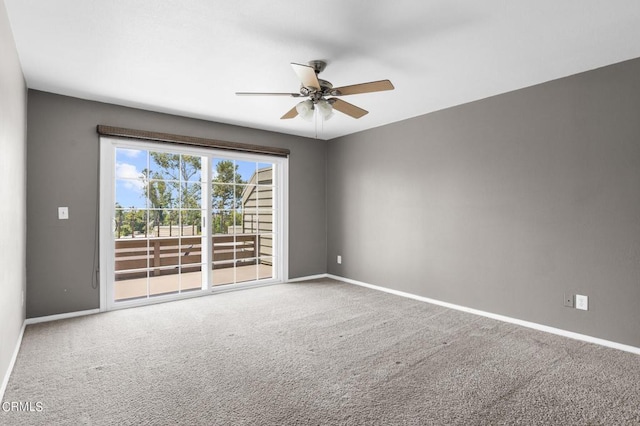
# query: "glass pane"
{"type": "Point", "coordinates": [191, 277]}
{"type": "Point", "coordinates": [165, 251]}
{"type": "Point", "coordinates": [245, 171]}
{"type": "Point", "coordinates": [131, 256]}
{"type": "Point", "coordinates": [265, 245]}
{"type": "Point", "coordinates": [164, 166]}
{"type": "Point", "coordinates": [223, 171]}
{"type": "Point", "coordinates": [249, 221]}
{"type": "Point", "coordinates": [191, 195]}
{"type": "Point", "coordinates": [190, 223]}
{"type": "Point", "coordinates": [265, 197]}
{"type": "Point", "coordinates": [223, 248]}
{"type": "Point", "coordinates": [265, 268]}
{"type": "Point", "coordinates": [131, 163]}
{"type": "Point", "coordinates": [246, 247]}
{"type": "Point", "coordinates": [265, 221]}
{"type": "Point", "coordinates": [223, 196]}
{"type": "Point", "coordinates": [130, 194]}
{"type": "Point", "coordinates": [130, 286]}
{"type": "Point", "coordinates": [132, 156]}
{"type": "Point", "coordinates": [223, 273]}
{"type": "Point", "coordinates": [164, 223]}
{"type": "Point", "coordinates": [130, 223]}
{"type": "Point", "coordinates": [164, 281]}
{"type": "Point", "coordinates": [156, 222]}
{"type": "Point", "coordinates": [190, 251]}
{"type": "Point", "coordinates": [265, 174]}
{"type": "Point", "coordinates": [190, 168]}
{"type": "Point", "coordinates": [246, 270]}
{"type": "Point", "coordinates": [222, 222]}
{"type": "Point", "coordinates": [236, 222]}
{"type": "Point", "coordinates": [248, 196]}
{"type": "Point", "coordinates": [163, 194]}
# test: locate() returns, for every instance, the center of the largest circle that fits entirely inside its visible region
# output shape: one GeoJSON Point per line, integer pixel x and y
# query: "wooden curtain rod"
{"type": "Point", "coordinates": [190, 140]}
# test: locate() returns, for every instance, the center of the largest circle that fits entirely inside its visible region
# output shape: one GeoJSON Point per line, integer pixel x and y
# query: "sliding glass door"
{"type": "Point", "coordinates": [242, 227]}
{"type": "Point", "coordinates": [178, 221]}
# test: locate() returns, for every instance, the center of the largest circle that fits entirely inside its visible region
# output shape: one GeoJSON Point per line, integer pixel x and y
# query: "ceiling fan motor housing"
{"type": "Point", "coordinates": [326, 89]}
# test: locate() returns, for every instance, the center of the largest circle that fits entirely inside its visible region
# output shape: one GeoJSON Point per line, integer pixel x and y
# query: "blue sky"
{"type": "Point", "coordinates": [128, 171]}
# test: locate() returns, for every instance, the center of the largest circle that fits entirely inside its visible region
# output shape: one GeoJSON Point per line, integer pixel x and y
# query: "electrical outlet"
{"type": "Point", "coordinates": [339, 260]}
{"type": "Point", "coordinates": [63, 213]}
{"type": "Point", "coordinates": [568, 300]}
{"type": "Point", "coordinates": [582, 302]}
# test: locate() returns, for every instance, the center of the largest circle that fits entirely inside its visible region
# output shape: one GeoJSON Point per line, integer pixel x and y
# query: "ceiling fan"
{"type": "Point", "coordinates": [318, 91]}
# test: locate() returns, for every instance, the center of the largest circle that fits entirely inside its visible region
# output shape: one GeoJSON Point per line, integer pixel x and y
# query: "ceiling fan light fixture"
{"type": "Point", "coordinates": [305, 109]}
{"type": "Point", "coordinates": [325, 109]}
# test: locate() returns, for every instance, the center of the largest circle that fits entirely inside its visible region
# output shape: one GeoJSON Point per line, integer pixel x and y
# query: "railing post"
{"type": "Point", "coordinates": [156, 257]}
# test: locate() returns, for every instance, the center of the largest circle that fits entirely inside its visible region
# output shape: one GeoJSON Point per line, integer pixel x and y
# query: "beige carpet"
{"type": "Point", "coordinates": [314, 353]}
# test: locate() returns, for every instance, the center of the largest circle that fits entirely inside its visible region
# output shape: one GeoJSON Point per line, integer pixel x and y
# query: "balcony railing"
{"type": "Point", "coordinates": [170, 255]}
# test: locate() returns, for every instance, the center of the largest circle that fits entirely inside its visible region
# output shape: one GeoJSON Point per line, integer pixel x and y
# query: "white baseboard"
{"type": "Point", "coordinates": [307, 278]}
{"type": "Point", "coordinates": [5, 380]}
{"type": "Point", "coordinates": [528, 324]}
{"type": "Point", "coordinates": [61, 316]}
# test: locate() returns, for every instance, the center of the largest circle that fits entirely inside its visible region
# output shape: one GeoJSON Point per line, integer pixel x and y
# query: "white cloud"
{"type": "Point", "coordinates": [135, 178]}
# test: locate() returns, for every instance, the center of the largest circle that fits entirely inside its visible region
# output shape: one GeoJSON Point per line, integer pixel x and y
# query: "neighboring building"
{"type": "Point", "coordinates": [257, 210]}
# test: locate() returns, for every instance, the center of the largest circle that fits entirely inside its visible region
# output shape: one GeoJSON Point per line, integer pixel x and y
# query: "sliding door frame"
{"type": "Point", "coordinates": [108, 147]}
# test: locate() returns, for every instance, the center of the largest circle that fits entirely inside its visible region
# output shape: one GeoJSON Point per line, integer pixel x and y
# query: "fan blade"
{"type": "Point", "coordinates": [347, 108]}
{"type": "Point", "coordinates": [373, 86]}
{"type": "Point", "coordinates": [307, 75]}
{"type": "Point", "coordinates": [293, 95]}
{"type": "Point", "coordinates": [293, 112]}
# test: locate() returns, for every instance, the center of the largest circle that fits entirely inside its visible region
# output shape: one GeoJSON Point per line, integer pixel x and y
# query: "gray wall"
{"type": "Point", "coordinates": [13, 133]}
{"type": "Point", "coordinates": [503, 204]}
{"type": "Point", "coordinates": [62, 171]}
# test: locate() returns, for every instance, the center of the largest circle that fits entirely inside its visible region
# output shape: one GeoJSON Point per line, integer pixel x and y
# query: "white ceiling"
{"type": "Point", "coordinates": [189, 57]}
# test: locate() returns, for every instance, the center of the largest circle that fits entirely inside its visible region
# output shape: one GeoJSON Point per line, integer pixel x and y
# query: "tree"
{"type": "Point", "coordinates": [174, 175]}
{"type": "Point", "coordinates": [174, 195]}
{"type": "Point", "coordinates": [226, 196]}
{"type": "Point", "coordinates": [159, 196]}
{"type": "Point", "coordinates": [130, 221]}
{"type": "Point", "coordinates": [176, 167]}
{"type": "Point", "coordinates": [171, 187]}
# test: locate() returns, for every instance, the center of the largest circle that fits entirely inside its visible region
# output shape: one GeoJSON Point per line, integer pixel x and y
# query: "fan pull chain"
{"type": "Point", "coordinates": [315, 116]}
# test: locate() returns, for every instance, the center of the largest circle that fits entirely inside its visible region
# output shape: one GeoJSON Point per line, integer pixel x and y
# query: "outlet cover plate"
{"type": "Point", "coordinates": [568, 300]}
{"type": "Point", "coordinates": [582, 302]}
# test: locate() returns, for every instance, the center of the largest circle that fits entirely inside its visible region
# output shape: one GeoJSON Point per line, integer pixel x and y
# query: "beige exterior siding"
{"type": "Point", "coordinates": [257, 211]}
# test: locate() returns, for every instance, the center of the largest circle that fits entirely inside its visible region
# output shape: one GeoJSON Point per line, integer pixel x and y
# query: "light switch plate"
{"type": "Point", "coordinates": [63, 213]}
{"type": "Point", "coordinates": [582, 302]}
